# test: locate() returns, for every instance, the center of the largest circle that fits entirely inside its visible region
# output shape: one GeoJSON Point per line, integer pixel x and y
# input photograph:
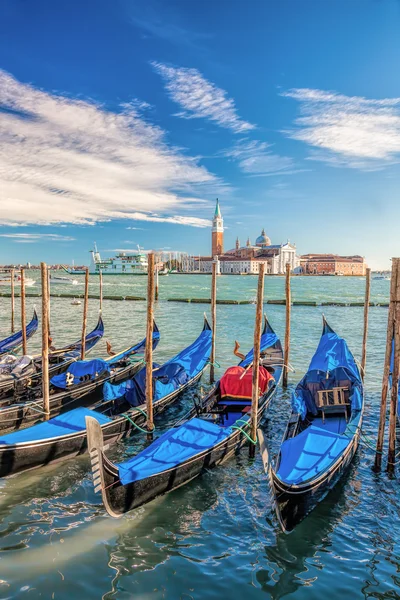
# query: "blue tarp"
{"type": "Point", "coordinates": [310, 453]}
{"type": "Point", "coordinates": [331, 365]}
{"type": "Point", "coordinates": [80, 371]}
{"type": "Point", "coordinates": [173, 448]}
{"type": "Point", "coordinates": [70, 422]}
{"type": "Point", "coordinates": [15, 340]}
{"type": "Point", "coordinates": [268, 339]}
{"type": "Point", "coordinates": [168, 377]}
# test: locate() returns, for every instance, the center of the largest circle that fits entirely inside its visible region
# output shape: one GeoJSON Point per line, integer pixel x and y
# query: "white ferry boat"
{"type": "Point", "coordinates": [134, 263]}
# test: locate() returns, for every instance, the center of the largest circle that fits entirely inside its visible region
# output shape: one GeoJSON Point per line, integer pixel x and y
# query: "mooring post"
{"type": "Point", "coordinates": [48, 303]}
{"type": "Point", "coordinates": [287, 329]}
{"type": "Point", "coordinates": [256, 359]}
{"type": "Point", "coordinates": [366, 311]}
{"type": "Point", "coordinates": [395, 373]}
{"type": "Point", "coordinates": [386, 368]}
{"type": "Point", "coordinates": [45, 339]}
{"type": "Point", "coordinates": [149, 346]}
{"type": "Point", "coordinates": [101, 289]}
{"type": "Point", "coordinates": [213, 319]}
{"type": "Point", "coordinates": [156, 292]}
{"type": "Point", "coordinates": [12, 301]}
{"type": "Point", "coordinates": [85, 311]}
{"type": "Point", "coordinates": [23, 312]}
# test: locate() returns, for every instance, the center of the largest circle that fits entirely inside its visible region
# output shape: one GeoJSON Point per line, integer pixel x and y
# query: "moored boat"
{"type": "Point", "coordinates": [19, 374]}
{"type": "Point", "coordinates": [117, 413]}
{"type": "Point", "coordinates": [80, 385]}
{"type": "Point", "coordinates": [322, 433]}
{"type": "Point", "coordinates": [14, 342]}
{"type": "Point", "coordinates": [210, 433]}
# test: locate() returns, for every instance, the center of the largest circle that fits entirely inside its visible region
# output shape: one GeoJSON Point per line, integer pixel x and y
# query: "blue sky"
{"type": "Point", "coordinates": [122, 121]}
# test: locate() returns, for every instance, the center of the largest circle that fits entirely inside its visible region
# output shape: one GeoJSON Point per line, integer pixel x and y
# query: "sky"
{"type": "Point", "coordinates": [121, 122]}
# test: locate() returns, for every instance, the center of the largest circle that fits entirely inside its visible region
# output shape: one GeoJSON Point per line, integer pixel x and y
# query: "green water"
{"type": "Point", "coordinates": [216, 537]}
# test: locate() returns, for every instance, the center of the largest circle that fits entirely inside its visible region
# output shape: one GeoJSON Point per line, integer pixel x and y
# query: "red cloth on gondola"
{"type": "Point", "coordinates": [231, 386]}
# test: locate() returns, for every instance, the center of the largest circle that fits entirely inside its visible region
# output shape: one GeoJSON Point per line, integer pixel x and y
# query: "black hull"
{"type": "Point", "coordinates": [294, 503]}
{"type": "Point", "coordinates": [17, 417]}
{"type": "Point", "coordinates": [119, 499]}
{"type": "Point", "coordinates": [23, 457]}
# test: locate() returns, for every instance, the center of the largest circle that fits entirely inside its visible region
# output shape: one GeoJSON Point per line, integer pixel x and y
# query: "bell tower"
{"type": "Point", "coordinates": [217, 235]}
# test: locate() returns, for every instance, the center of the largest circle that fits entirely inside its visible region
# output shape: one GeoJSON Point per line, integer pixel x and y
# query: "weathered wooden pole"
{"type": "Point", "coordinates": [256, 359]}
{"type": "Point", "coordinates": [101, 289]}
{"type": "Point", "coordinates": [395, 374]}
{"type": "Point", "coordinates": [386, 368]}
{"type": "Point", "coordinates": [12, 301]}
{"type": "Point", "coordinates": [149, 345]}
{"type": "Point", "coordinates": [85, 311]}
{"type": "Point", "coordinates": [45, 339]}
{"type": "Point", "coordinates": [213, 319]}
{"type": "Point", "coordinates": [48, 303]}
{"type": "Point", "coordinates": [23, 312]}
{"type": "Point", "coordinates": [287, 329]}
{"type": "Point", "coordinates": [366, 311]}
{"type": "Point", "coordinates": [156, 291]}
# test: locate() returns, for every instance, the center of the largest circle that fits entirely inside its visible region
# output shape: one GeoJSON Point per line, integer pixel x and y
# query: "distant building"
{"type": "Point", "coordinates": [246, 259]}
{"type": "Point", "coordinates": [332, 264]}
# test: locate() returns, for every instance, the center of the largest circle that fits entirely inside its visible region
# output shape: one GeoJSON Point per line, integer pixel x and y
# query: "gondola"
{"type": "Point", "coordinates": [20, 375]}
{"type": "Point", "coordinates": [14, 341]}
{"type": "Point", "coordinates": [210, 433]}
{"type": "Point", "coordinates": [65, 435]}
{"type": "Point", "coordinates": [80, 385]}
{"type": "Point", "coordinates": [322, 433]}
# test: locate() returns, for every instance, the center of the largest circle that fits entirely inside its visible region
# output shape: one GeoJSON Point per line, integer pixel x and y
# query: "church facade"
{"type": "Point", "coordinates": [246, 259]}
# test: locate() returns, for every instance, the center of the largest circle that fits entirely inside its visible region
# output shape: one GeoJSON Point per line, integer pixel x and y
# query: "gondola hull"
{"type": "Point", "coordinates": [119, 499]}
{"type": "Point", "coordinates": [294, 503]}
{"type": "Point", "coordinates": [26, 456]}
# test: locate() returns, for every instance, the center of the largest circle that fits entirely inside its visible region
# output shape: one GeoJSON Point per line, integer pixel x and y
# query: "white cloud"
{"type": "Point", "coordinates": [200, 98]}
{"type": "Point", "coordinates": [175, 219]}
{"type": "Point", "coordinates": [72, 161]}
{"type": "Point", "coordinates": [37, 237]}
{"type": "Point", "coordinates": [255, 158]}
{"type": "Point", "coordinates": [348, 131]}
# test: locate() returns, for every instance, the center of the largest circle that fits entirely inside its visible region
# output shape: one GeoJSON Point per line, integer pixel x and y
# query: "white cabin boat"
{"type": "Point", "coordinates": [134, 263]}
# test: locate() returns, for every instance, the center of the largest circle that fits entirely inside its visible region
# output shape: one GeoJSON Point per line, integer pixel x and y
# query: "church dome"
{"type": "Point", "coordinates": [263, 239]}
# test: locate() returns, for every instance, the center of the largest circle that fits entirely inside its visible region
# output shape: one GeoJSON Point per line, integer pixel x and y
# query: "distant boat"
{"type": "Point", "coordinates": [62, 280]}
{"type": "Point", "coordinates": [5, 279]}
{"type": "Point", "coordinates": [76, 302]}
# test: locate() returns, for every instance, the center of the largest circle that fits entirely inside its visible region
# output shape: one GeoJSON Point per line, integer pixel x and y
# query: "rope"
{"type": "Point", "coordinates": [214, 364]}
{"type": "Point", "coordinates": [244, 433]}
{"type": "Point", "coordinates": [127, 417]}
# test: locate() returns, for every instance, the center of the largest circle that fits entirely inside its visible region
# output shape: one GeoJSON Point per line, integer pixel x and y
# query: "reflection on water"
{"type": "Point", "coordinates": [216, 537]}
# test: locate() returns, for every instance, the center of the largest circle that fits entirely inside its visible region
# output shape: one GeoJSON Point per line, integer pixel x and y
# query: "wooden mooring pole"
{"type": "Point", "coordinates": [45, 338]}
{"type": "Point", "coordinates": [12, 301]}
{"type": "Point", "coordinates": [23, 312]}
{"type": "Point", "coordinates": [366, 311]}
{"type": "Point", "coordinates": [85, 311]}
{"type": "Point", "coordinates": [149, 346]}
{"type": "Point", "coordinates": [156, 291]}
{"type": "Point", "coordinates": [256, 359]}
{"type": "Point", "coordinates": [386, 368]}
{"type": "Point", "coordinates": [395, 374]}
{"type": "Point", "coordinates": [101, 289]}
{"type": "Point", "coordinates": [287, 328]}
{"type": "Point", "coordinates": [213, 319]}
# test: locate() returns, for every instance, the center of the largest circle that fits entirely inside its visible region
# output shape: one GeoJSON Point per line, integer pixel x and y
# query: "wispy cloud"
{"type": "Point", "coordinates": [37, 237]}
{"type": "Point", "coordinates": [350, 131]}
{"type": "Point", "coordinates": [73, 161]}
{"type": "Point", "coordinates": [136, 228]}
{"type": "Point", "coordinates": [256, 158]}
{"type": "Point", "coordinates": [199, 98]}
{"type": "Point", "coordinates": [175, 219]}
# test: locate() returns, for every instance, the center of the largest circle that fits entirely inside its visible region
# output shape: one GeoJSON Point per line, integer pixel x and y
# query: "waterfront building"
{"type": "Point", "coordinates": [246, 259]}
{"type": "Point", "coordinates": [332, 264]}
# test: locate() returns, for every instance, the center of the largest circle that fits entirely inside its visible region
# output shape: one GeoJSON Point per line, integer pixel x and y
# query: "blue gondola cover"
{"type": "Point", "coordinates": [14, 341]}
{"type": "Point", "coordinates": [173, 448]}
{"type": "Point", "coordinates": [82, 370]}
{"type": "Point", "coordinates": [72, 421]}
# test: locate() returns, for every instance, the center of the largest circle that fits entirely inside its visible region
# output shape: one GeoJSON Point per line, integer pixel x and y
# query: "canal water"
{"type": "Point", "coordinates": [216, 537]}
